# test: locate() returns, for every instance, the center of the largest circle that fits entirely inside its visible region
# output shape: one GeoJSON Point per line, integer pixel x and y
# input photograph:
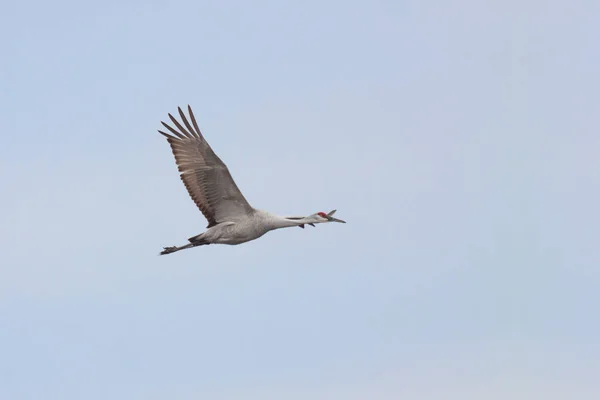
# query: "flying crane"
{"type": "Point", "coordinates": [231, 219]}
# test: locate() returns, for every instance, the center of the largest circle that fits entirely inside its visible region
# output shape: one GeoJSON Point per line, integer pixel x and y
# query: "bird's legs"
{"type": "Point", "coordinates": [173, 249]}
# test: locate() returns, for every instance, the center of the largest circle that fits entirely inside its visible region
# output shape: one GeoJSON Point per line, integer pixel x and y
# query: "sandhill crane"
{"type": "Point", "coordinates": [231, 219]}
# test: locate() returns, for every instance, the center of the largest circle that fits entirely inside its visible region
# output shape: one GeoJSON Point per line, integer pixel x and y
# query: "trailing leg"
{"type": "Point", "coordinates": [173, 249]}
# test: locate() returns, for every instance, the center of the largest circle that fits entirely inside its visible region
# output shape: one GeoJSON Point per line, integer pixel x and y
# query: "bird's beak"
{"type": "Point", "coordinates": [331, 219]}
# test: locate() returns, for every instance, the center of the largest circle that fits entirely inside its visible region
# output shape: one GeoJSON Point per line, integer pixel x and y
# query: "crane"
{"type": "Point", "coordinates": [231, 219]}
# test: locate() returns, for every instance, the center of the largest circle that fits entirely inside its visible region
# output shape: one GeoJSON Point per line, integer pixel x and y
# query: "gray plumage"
{"type": "Point", "coordinates": [231, 219]}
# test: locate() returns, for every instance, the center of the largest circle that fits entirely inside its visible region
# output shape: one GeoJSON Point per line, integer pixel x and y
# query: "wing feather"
{"type": "Point", "coordinates": [181, 128]}
{"type": "Point", "coordinates": [206, 178]}
{"type": "Point", "coordinates": [194, 120]}
{"type": "Point", "coordinates": [187, 124]}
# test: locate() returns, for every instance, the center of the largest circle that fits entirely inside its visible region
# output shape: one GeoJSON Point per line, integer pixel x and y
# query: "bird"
{"type": "Point", "coordinates": [231, 219]}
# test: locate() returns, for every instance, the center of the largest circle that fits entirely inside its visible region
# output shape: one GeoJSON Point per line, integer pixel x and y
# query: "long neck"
{"type": "Point", "coordinates": [278, 222]}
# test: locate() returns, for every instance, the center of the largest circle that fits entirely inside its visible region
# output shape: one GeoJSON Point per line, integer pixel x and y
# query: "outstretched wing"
{"type": "Point", "coordinates": [205, 176]}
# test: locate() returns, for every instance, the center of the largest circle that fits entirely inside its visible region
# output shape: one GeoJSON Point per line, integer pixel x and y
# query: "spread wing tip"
{"type": "Point", "coordinates": [164, 134]}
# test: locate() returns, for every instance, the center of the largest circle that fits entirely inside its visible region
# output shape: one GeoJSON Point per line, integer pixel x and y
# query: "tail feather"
{"type": "Point", "coordinates": [198, 239]}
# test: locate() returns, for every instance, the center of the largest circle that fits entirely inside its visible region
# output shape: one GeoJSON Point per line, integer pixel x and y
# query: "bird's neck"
{"type": "Point", "coordinates": [282, 222]}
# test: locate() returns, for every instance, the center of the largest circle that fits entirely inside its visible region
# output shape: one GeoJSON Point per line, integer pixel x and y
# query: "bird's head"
{"type": "Point", "coordinates": [321, 217]}
{"type": "Point", "coordinates": [316, 218]}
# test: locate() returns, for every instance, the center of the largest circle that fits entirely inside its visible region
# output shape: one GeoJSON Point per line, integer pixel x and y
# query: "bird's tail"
{"type": "Point", "coordinates": [198, 238]}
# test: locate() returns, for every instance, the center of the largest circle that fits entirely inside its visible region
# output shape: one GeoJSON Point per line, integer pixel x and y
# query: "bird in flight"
{"type": "Point", "coordinates": [231, 219]}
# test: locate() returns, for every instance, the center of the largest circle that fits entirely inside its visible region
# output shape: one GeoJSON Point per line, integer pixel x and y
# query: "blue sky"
{"type": "Point", "coordinates": [458, 139]}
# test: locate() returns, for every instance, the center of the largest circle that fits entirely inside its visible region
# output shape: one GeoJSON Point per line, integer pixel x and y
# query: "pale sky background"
{"type": "Point", "coordinates": [459, 139]}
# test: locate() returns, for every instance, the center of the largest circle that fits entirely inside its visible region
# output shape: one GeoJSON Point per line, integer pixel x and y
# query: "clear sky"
{"type": "Point", "coordinates": [459, 139]}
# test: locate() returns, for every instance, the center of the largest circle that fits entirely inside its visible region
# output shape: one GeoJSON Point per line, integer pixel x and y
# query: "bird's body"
{"type": "Point", "coordinates": [231, 219]}
{"type": "Point", "coordinates": [245, 229]}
